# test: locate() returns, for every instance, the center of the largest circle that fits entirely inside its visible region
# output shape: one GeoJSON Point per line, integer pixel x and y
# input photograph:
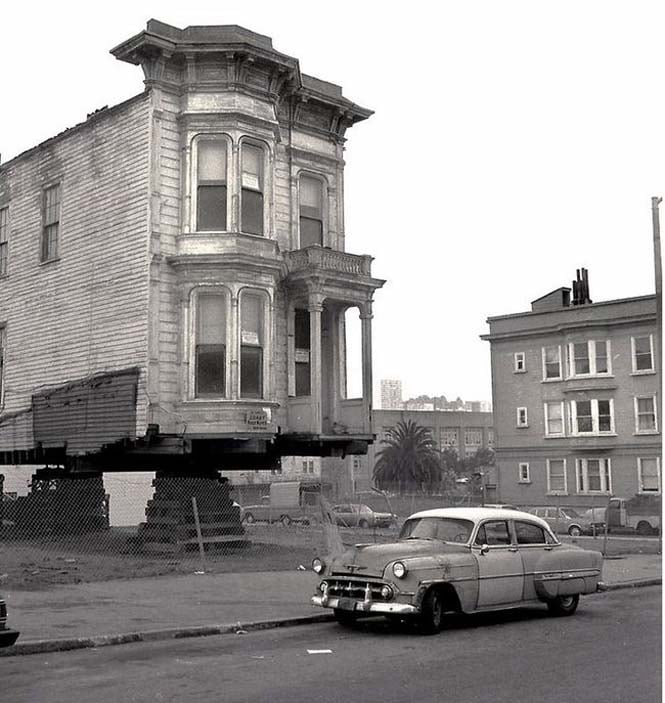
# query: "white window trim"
{"type": "Point", "coordinates": [325, 206]}
{"type": "Point", "coordinates": [595, 432]}
{"type": "Point", "coordinates": [518, 417]}
{"type": "Point", "coordinates": [642, 372]}
{"type": "Point", "coordinates": [267, 320]}
{"type": "Point", "coordinates": [517, 358]}
{"type": "Point", "coordinates": [550, 490]}
{"type": "Point", "coordinates": [520, 478]}
{"type": "Point", "coordinates": [655, 415]}
{"type": "Point", "coordinates": [267, 186]}
{"type": "Point", "coordinates": [579, 462]}
{"type": "Point", "coordinates": [547, 420]}
{"type": "Point", "coordinates": [232, 218]}
{"type": "Point", "coordinates": [591, 347]}
{"type": "Point", "coordinates": [554, 378]}
{"type": "Point", "coordinates": [640, 490]}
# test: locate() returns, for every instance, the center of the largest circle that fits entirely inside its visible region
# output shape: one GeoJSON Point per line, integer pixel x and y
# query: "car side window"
{"type": "Point", "coordinates": [494, 533]}
{"type": "Point", "coordinates": [528, 533]}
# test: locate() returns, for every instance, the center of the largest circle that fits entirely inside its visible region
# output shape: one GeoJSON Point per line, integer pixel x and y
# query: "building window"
{"type": "Point", "coordinates": [592, 416]}
{"type": "Point", "coordinates": [648, 474]}
{"type": "Point", "coordinates": [552, 363]}
{"type": "Point", "coordinates": [522, 417]}
{"type": "Point", "coordinates": [554, 419]}
{"type": "Point", "coordinates": [490, 437]}
{"type": "Point", "coordinates": [4, 236]}
{"type": "Point", "coordinates": [556, 477]}
{"type": "Point", "coordinates": [449, 438]}
{"type": "Point", "coordinates": [252, 343]}
{"type": "Point", "coordinates": [519, 362]}
{"type": "Point", "coordinates": [473, 438]}
{"type": "Point", "coordinates": [642, 350]}
{"type": "Point", "coordinates": [590, 358]}
{"type": "Point", "coordinates": [210, 350]}
{"type": "Point", "coordinates": [646, 421]}
{"type": "Point", "coordinates": [51, 223]}
{"type": "Point", "coordinates": [311, 211]}
{"type": "Point", "coordinates": [211, 185]}
{"type": "Point", "coordinates": [3, 345]}
{"type": "Point", "coordinates": [593, 476]}
{"type": "Point", "coordinates": [524, 476]}
{"type": "Point", "coordinates": [303, 342]}
{"type": "Point", "coordinates": [251, 196]}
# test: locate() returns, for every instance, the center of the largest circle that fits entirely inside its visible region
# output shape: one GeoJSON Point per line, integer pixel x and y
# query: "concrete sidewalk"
{"type": "Point", "coordinates": [110, 612]}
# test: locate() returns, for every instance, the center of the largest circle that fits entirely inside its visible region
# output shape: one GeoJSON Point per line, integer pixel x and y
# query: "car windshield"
{"type": "Point", "coordinates": [445, 529]}
{"type": "Point", "coordinates": [569, 512]}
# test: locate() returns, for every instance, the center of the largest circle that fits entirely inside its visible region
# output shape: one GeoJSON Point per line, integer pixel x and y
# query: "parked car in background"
{"type": "Point", "coordinates": [564, 520]}
{"type": "Point", "coordinates": [639, 514]}
{"type": "Point", "coordinates": [464, 560]}
{"type": "Point", "coordinates": [361, 515]}
{"type": "Point", "coordinates": [7, 636]}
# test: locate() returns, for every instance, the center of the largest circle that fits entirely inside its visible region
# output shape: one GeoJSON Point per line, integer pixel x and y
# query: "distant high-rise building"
{"type": "Point", "coordinates": [391, 394]}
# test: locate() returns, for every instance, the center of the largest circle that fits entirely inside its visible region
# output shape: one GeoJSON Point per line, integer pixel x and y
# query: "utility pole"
{"type": "Point", "coordinates": [655, 219]}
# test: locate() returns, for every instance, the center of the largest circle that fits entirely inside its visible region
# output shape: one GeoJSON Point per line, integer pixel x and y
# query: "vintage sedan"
{"type": "Point", "coordinates": [7, 635]}
{"type": "Point", "coordinates": [360, 515]}
{"type": "Point", "coordinates": [464, 560]}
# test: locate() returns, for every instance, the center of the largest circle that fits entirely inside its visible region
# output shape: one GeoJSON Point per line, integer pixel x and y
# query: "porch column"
{"type": "Point", "coordinates": [233, 376]}
{"type": "Point", "coordinates": [366, 323]}
{"type": "Point", "coordinates": [315, 308]}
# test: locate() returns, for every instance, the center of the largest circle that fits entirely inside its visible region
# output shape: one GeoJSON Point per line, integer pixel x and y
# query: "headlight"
{"type": "Point", "coordinates": [399, 570]}
{"type": "Point", "coordinates": [318, 565]}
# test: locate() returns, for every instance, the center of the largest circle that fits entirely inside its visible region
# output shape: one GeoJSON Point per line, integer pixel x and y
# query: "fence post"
{"type": "Point", "coordinates": [199, 536]}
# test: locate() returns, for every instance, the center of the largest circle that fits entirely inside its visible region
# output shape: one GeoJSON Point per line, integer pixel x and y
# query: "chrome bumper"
{"type": "Point", "coordinates": [365, 606]}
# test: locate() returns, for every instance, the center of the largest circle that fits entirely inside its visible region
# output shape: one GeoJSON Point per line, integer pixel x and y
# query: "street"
{"type": "Point", "coordinates": [610, 651]}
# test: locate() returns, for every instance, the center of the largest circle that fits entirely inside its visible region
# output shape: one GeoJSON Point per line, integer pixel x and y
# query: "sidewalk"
{"type": "Point", "coordinates": [174, 606]}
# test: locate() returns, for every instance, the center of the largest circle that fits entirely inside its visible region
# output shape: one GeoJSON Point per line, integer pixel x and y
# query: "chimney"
{"type": "Point", "coordinates": [581, 288]}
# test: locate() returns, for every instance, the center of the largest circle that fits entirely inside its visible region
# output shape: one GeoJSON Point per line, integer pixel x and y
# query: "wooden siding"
{"type": "Point", "coordinates": [85, 312]}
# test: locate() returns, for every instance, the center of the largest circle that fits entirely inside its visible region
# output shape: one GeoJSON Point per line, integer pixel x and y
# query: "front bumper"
{"type": "Point", "coordinates": [364, 606]}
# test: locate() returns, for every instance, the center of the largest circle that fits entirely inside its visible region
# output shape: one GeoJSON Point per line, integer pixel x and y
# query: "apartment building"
{"type": "Point", "coordinates": [576, 392]}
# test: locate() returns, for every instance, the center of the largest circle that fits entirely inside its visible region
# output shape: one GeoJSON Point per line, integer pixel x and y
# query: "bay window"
{"type": "Point", "coordinates": [252, 344]}
{"type": "Point", "coordinates": [211, 184]}
{"type": "Point", "coordinates": [251, 194]}
{"type": "Point", "coordinates": [592, 416]}
{"type": "Point", "coordinates": [593, 476]}
{"type": "Point", "coordinates": [311, 211]}
{"type": "Point", "coordinates": [210, 345]}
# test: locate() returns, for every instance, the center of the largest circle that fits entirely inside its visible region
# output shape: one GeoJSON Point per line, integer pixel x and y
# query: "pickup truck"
{"type": "Point", "coordinates": [640, 514]}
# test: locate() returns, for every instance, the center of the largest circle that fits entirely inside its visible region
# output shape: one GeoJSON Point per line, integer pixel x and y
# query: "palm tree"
{"type": "Point", "coordinates": [408, 461]}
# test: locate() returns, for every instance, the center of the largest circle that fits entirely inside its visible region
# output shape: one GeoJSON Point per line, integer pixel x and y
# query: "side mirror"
{"type": "Point", "coordinates": [484, 549]}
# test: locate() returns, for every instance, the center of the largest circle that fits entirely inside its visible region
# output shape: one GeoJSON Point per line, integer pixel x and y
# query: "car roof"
{"type": "Point", "coordinates": [477, 514]}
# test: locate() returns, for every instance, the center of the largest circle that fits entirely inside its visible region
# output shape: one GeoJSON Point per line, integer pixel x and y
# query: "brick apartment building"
{"type": "Point", "coordinates": [576, 392]}
{"type": "Point", "coordinates": [173, 271]}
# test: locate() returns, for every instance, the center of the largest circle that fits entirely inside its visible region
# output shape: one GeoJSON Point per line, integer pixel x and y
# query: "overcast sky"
{"type": "Point", "coordinates": [512, 143]}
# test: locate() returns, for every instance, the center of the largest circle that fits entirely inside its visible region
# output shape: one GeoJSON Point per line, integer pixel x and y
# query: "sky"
{"type": "Point", "coordinates": [512, 142]}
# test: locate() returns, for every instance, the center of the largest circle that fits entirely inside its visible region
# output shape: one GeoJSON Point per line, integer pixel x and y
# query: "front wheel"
{"type": "Point", "coordinates": [574, 531]}
{"type": "Point", "coordinates": [431, 615]}
{"type": "Point", "coordinates": [363, 524]}
{"type": "Point", "coordinates": [563, 605]}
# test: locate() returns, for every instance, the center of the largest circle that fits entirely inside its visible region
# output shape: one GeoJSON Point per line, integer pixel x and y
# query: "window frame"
{"type": "Point", "coordinates": [640, 482]}
{"type": "Point", "coordinates": [522, 475]}
{"type": "Point", "coordinates": [519, 362]}
{"type": "Point", "coordinates": [582, 477]}
{"type": "Point", "coordinates": [264, 345]}
{"type": "Point", "coordinates": [4, 240]}
{"type": "Point", "coordinates": [593, 359]}
{"type": "Point", "coordinates": [556, 491]}
{"type": "Point", "coordinates": [3, 356]}
{"type": "Point", "coordinates": [546, 378]}
{"type": "Point", "coordinates": [47, 224]}
{"type": "Point", "coordinates": [653, 399]}
{"type": "Point", "coordinates": [226, 295]}
{"type": "Point", "coordinates": [595, 418]}
{"type": "Point", "coordinates": [264, 164]}
{"type": "Point", "coordinates": [194, 190]}
{"type": "Point", "coordinates": [633, 355]}
{"type": "Point", "coordinates": [562, 406]}
{"type": "Point", "coordinates": [323, 183]}
{"type": "Point", "coordinates": [522, 409]}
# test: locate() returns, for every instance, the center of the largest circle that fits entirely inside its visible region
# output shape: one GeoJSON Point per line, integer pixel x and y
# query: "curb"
{"type": "Point", "coordinates": [240, 628]}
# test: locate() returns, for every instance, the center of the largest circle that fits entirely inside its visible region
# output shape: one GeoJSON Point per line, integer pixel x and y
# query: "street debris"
{"type": "Point", "coordinates": [319, 651]}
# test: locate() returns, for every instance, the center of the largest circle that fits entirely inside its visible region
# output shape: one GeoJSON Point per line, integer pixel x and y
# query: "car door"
{"type": "Point", "coordinates": [535, 547]}
{"type": "Point", "coordinates": [500, 570]}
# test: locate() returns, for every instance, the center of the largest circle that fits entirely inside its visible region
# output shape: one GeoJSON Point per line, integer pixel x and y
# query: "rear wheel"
{"type": "Point", "coordinates": [363, 524]}
{"type": "Point", "coordinates": [248, 518]}
{"type": "Point", "coordinates": [644, 528]}
{"type": "Point", "coordinates": [345, 617]}
{"type": "Point", "coordinates": [563, 605]}
{"type": "Point", "coordinates": [431, 615]}
{"type": "Point", "coordinates": [574, 531]}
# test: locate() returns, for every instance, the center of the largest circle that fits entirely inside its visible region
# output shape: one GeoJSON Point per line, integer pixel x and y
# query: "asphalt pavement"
{"type": "Point", "coordinates": [147, 609]}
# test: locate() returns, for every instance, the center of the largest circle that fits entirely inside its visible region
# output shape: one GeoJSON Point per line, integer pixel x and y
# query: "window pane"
{"type": "Point", "coordinates": [212, 160]}
{"type": "Point", "coordinates": [251, 217]}
{"type": "Point", "coordinates": [552, 365]}
{"type": "Point", "coordinates": [50, 242]}
{"type": "Point", "coordinates": [557, 479]}
{"type": "Point", "coordinates": [210, 369]}
{"type": "Point", "coordinates": [251, 315]}
{"type": "Point", "coordinates": [643, 354]}
{"type": "Point", "coordinates": [311, 232]}
{"type": "Point", "coordinates": [251, 372]}
{"type": "Point", "coordinates": [529, 534]}
{"type": "Point", "coordinates": [649, 474]}
{"type": "Point", "coordinates": [252, 171]}
{"type": "Point", "coordinates": [593, 475]}
{"type": "Point", "coordinates": [211, 319]}
{"type": "Point", "coordinates": [211, 207]}
{"type": "Point", "coordinates": [583, 416]}
{"type": "Point", "coordinates": [497, 533]}
{"type": "Point", "coordinates": [310, 194]}
{"type": "Point", "coordinates": [604, 416]}
{"type": "Point", "coordinates": [4, 224]}
{"type": "Point", "coordinates": [646, 416]}
{"type": "Point", "coordinates": [554, 418]}
{"type": "Point", "coordinates": [601, 357]}
{"type": "Point", "coordinates": [581, 358]}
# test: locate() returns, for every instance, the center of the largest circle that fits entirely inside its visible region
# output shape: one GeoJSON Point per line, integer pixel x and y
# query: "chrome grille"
{"type": "Point", "coordinates": [354, 588]}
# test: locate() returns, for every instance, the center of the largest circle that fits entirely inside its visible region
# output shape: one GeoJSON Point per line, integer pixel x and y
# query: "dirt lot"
{"type": "Point", "coordinates": [111, 554]}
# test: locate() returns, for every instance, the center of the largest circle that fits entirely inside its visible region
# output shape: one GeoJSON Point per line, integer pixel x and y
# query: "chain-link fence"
{"type": "Point", "coordinates": [140, 524]}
